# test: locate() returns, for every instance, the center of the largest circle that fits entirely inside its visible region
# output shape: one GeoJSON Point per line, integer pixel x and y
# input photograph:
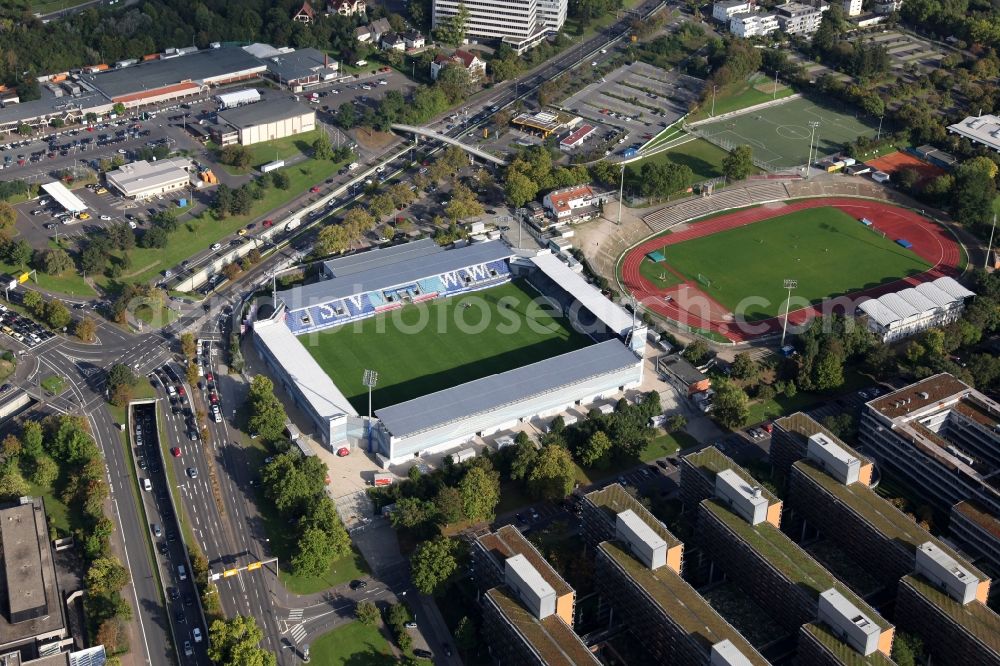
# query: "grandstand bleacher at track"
{"type": "Point", "coordinates": [725, 199]}
{"type": "Point", "coordinates": [391, 281]}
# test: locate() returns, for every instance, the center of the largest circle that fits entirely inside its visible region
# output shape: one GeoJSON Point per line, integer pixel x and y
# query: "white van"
{"type": "Point", "coordinates": [182, 572]}
{"type": "Point", "coordinates": [147, 485]}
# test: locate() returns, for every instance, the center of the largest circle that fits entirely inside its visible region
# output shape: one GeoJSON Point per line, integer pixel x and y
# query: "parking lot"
{"type": "Point", "coordinates": [23, 329]}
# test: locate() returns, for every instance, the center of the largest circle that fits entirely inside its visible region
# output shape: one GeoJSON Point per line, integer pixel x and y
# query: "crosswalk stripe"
{"type": "Point", "coordinates": [295, 615]}
{"type": "Point", "coordinates": [298, 632]}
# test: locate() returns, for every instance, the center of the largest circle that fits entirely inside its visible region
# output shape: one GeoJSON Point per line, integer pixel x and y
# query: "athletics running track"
{"type": "Point", "coordinates": [688, 304]}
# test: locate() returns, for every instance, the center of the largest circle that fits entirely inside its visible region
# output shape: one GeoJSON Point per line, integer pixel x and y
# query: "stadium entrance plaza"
{"type": "Point", "coordinates": [352, 474]}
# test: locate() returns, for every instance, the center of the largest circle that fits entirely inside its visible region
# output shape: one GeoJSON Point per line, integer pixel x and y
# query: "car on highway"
{"type": "Point", "coordinates": [157, 531]}
{"type": "Point", "coordinates": [175, 452]}
{"type": "Point", "coordinates": [343, 452]}
{"type": "Point", "coordinates": [268, 223]}
{"type": "Point", "coordinates": [359, 584]}
{"type": "Point", "coordinates": [314, 189]}
{"type": "Point", "coordinates": [192, 472]}
{"type": "Point", "coordinates": [196, 634]}
{"type": "Point", "coordinates": [411, 625]}
{"type": "Point", "coordinates": [216, 246]}
{"type": "Point", "coordinates": [105, 217]}
{"type": "Point", "coordinates": [188, 650]}
{"type": "Point", "coordinates": [423, 654]}
{"type": "Point", "coordinates": [242, 232]}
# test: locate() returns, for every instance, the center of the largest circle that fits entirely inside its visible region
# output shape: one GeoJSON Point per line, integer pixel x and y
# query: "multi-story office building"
{"type": "Point", "coordinates": [520, 23]}
{"type": "Point", "coordinates": [940, 436]}
{"type": "Point", "coordinates": [797, 18]}
{"type": "Point", "coordinates": [700, 480]}
{"type": "Point", "coordinates": [601, 522]}
{"type": "Point", "coordinates": [846, 510]}
{"type": "Point", "coordinates": [790, 442]}
{"type": "Point", "coordinates": [978, 532]}
{"type": "Point", "coordinates": [955, 631]}
{"type": "Point", "coordinates": [786, 581]}
{"type": "Point", "coordinates": [668, 618]}
{"type": "Point", "coordinates": [753, 25]}
{"type": "Point", "coordinates": [490, 553]}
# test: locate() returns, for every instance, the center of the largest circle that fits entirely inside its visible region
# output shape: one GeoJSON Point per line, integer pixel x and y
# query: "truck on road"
{"type": "Point", "coordinates": [293, 223]}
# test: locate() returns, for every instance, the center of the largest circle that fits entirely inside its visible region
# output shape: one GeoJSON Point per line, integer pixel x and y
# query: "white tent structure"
{"type": "Point", "coordinates": [64, 197]}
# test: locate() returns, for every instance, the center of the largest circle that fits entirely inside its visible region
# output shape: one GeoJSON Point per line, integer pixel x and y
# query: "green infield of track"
{"type": "Point", "coordinates": [829, 252]}
{"type": "Point", "coordinates": [432, 346]}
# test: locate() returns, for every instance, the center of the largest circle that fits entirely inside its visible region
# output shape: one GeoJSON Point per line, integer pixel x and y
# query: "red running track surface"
{"type": "Point", "coordinates": [931, 241]}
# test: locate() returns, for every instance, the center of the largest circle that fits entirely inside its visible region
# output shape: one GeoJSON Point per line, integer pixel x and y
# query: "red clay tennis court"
{"type": "Point", "coordinates": [688, 304]}
{"type": "Point", "coordinates": [898, 161]}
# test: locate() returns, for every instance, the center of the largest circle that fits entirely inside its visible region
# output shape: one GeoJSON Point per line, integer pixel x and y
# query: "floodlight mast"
{"type": "Point", "coordinates": [789, 285]}
{"type": "Point", "coordinates": [369, 379]}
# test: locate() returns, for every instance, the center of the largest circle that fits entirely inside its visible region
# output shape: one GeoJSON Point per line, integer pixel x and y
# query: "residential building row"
{"type": "Point", "coordinates": [742, 18]}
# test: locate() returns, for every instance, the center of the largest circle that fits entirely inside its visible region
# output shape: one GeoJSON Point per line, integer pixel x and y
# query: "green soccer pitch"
{"type": "Point", "coordinates": [829, 252]}
{"type": "Point", "coordinates": [431, 346]}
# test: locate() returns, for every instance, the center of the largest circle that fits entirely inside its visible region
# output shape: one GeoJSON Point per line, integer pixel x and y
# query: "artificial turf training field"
{"type": "Point", "coordinates": [414, 360]}
{"type": "Point", "coordinates": [829, 252]}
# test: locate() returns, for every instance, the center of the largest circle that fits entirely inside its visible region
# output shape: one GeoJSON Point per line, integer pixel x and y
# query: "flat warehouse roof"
{"type": "Point", "coordinates": [314, 384]}
{"type": "Point", "coordinates": [205, 64]}
{"type": "Point", "coordinates": [393, 275]}
{"type": "Point", "coordinates": [261, 113]}
{"type": "Point", "coordinates": [142, 175]}
{"type": "Point", "coordinates": [64, 197]}
{"type": "Point", "coordinates": [493, 392]}
{"type": "Point", "coordinates": [614, 317]}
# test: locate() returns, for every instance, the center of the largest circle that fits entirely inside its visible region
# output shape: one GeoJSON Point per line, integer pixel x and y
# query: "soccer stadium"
{"type": "Point", "coordinates": [466, 342]}
{"type": "Point", "coordinates": [726, 274]}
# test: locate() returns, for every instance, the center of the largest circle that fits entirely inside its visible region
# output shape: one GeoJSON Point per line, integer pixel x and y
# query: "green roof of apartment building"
{"type": "Point", "coordinates": [789, 559]}
{"type": "Point", "coordinates": [847, 655]}
{"type": "Point", "coordinates": [710, 461]}
{"type": "Point", "coordinates": [805, 426]}
{"type": "Point", "coordinates": [974, 616]}
{"type": "Point", "coordinates": [881, 514]}
{"type": "Point", "coordinates": [681, 602]}
{"type": "Point", "coordinates": [615, 499]}
{"type": "Point", "coordinates": [550, 637]}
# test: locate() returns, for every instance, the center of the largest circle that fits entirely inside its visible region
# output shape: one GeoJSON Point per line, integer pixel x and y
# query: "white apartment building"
{"type": "Point", "coordinates": [888, 6]}
{"type": "Point", "coordinates": [724, 10]}
{"type": "Point", "coordinates": [797, 18]}
{"type": "Point", "coordinates": [753, 25]}
{"type": "Point", "coordinates": [520, 23]}
{"type": "Point", "coordinates": [852, 7]}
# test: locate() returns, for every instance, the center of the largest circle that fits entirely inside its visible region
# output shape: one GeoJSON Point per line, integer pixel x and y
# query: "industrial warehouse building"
{"type": "Point", "coordinates": [142, 180]}
{"type": "Point", "coordinates": [268, 120]}
{"type": "Point", "coordinates": [362, 285]}
{"type": "Point", "coordinates": [900, 314]}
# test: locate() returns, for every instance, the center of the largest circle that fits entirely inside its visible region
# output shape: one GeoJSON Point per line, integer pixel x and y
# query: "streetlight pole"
{"type": "Point", "coordinates": [789, 285]}
{"type": "Point", "coordinates": [812, 135]}
{"type": "Point", "coordinates": [621, 194]}
{"type": "Point", "coordinates": [989, 248]}
{"type": "Point", "coordinates": [714, 88]}
{"type": "Point", "coordinates": [370, 379]}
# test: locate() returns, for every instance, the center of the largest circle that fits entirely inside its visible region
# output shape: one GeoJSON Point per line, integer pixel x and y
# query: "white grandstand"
{"type": "Point", "coordinates": [366, 284]}
{"type": "Point", "coordinates": [900, 314]}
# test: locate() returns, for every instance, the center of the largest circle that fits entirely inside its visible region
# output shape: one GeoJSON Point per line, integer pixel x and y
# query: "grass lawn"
{"type": "Point", "coordinates": [6, 369]}
{"type": "Point", "coordinates": [428, 347]}
{"type": "Point", "coordinates": [282, 149]}
{"type": "Point", "coordinates": [825, 249]}
{"type": "Point", "coordinates": [201, 232]}
{"type": "Point", "coordinates": [512, 497]}
{"type": "Point", "coordinates": [782, 406]}
{"type": "Point", "coordinates": [53, 384]}
{"type": "Point", "coordinates": [667, 444]}
{"type": "Point", "coordinates": [282, 540]}
{"type": "Point", "coordinates": [703, 158]}
{"type": "Point", "coordinates": [156, 318]}
{"type": "Point", "coordinates": [658, 275]}
{"type": "Point", "coordinates": [70, 282]}
{"type": "Point", "coordinates": [353, 644]}
{"type": "Point", "coordinates": [56, 512]}
{"type": "Point", "coordinates": [740, 95]}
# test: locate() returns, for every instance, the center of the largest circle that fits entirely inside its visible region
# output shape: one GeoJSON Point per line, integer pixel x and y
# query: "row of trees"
{"type": "Point", "coordinates": [52, 311]}
{"type": "Point", "coordinates": [533, 171]}
{"type": "Point", "coordinates": [60, 456]}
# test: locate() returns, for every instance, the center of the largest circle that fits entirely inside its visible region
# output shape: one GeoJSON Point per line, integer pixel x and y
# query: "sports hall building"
{"type": "Point", "coordinates": [364, 285]}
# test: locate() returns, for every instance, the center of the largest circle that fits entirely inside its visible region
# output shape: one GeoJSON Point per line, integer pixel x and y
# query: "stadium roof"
{"type": "Point", "coordinates": [314, 384]}
{"type": "Point", "coordinates": [952, 287]}
{"type": "Point", "coordinates": [363, 261]}
{"type": "Point", "coordinates": [921, 300]}
{"type": "Point", "coordinates": [64, 197]}
{"type": "Point", "coordinates": [882, 315]}
{"type": "Point", "coordinates": [614, 317]}
{"type": "Point", "coordinates": [396, 274]}
{"type": "Point", "coordinates": [268, 111]}
{"type": "Point", "coordinates": [205, 64]}
{"type": "Point", "coordinates": [917, 300]}
{"type": "Point", "coordinates": [490, 393]}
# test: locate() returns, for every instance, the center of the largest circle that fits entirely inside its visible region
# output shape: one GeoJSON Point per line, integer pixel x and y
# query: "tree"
{"type": "Point", "coordinates": [454, 82]}
{"type": "Point", "coordinates": [466, 634]}
{"type": "Point", "coordinates": [519, 189]}
{"type": "Point", "coordinates": [347, 116]}
{"type": "Point", "coordinates": [322, 149]}
{"type": "Point", "coordinates": [696, 353]}
{"type": "Point", "coordinates": [432, 563]}
{"type": "Point", "coordinates": [57, 315]}
{"type": "Point", "coordinates": [56, 260]}
{"type": "Point", "coordinates": [8, 216]}
{"type": "Point", "coordinates": [367, 613]}
{"type": "Point", "coordinates": [411, 512]}
{"type": "Point", "coordinates": [105, 576]}
{"type": "Point", "coordinates": [381, 205]}
{"type": "Point", "coordinates": [113, 635]}
{"type": "Point", "coordinates": [449, 505]}
{"type": "Point", "coordinates": [731, 407]}
{"type": "Point", "coordinates": [480, 491]}
{"type": "Point", "coordinates": [44, 471]}
{"type": "Point", "coordinates": [18, 252]}
{"type": "Point", "coordinates": [676, 423]}
{"type": "Point", "coordinates": [237, 156]}
{"type": "Point", "coordinates": [33, 301]}
{"type": "Point", "coordinates": [744, 367]}
{"type": "Point", "coordinates": [596, 451]}
{"type": "Point", "coordinates": [294, 483]}
{"type": "Point", "coordinates": [975, 190]}
{"type": "Point", "coordinates": [281, 180]}
{"type": "Point", "coordinates": [12, 483]}
{"type": "Point", "coordinates": [234, 642]}
{"type": "Point", "coordinates": [738, 164]}
{"type": "Point", "coordinates": [121, 375]}
{"type": "Point", "coordinates": [452, 30]}
{"type": "Point", "coordinates": [552, 476]}
{"type": "Point", "coordinates": [155, 237]}
{"type": "Point", "coordinates": [524, 457]}
{"type": "Point", "coordinates": [118, 109]}
{"type": "Point", "coordinates": [312, 558]}
{"type": "Point", "coordinates": [828, 372]}
{"type": "Point", "coordinates": [907, 649]}
{"type": "Point", "coordinates": [189, 347]}
{"type": "Point", "coordinates": [664, 179]}
{"type": "Point", "coordinates": [267, 414]}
